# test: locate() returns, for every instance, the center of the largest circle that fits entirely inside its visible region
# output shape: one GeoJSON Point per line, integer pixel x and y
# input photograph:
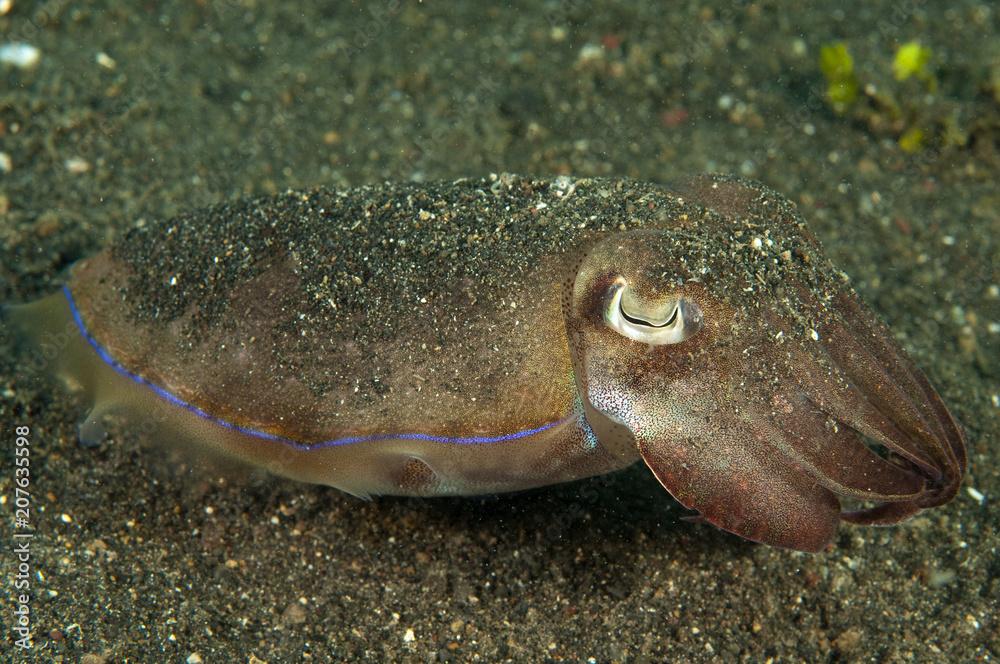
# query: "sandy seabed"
{"type": "Point", "coordinates": [139, 554]}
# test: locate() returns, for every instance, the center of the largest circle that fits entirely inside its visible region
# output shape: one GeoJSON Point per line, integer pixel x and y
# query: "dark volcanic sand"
{"type": "Point", "coordinates": [142, 556]}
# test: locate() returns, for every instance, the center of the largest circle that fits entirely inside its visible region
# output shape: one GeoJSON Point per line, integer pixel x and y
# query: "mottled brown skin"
{"type": "Point", "coordinates": [496, 314]}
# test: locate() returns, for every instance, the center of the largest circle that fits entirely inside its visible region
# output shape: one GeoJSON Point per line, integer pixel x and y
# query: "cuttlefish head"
{"type": "Point", "coordinates": [756, 386]}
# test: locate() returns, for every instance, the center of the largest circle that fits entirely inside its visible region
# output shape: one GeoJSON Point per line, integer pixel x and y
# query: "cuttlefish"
{"type": "Point", "coordinates": [498, 334]}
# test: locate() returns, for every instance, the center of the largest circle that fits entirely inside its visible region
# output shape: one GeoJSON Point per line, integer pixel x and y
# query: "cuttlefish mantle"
{"type": "Point", "coordinates": [482, 336]}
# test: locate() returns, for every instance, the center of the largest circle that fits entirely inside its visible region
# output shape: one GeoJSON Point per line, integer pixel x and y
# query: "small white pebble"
{"type": "Point", "coordinates": [409, 636]}
{"type": "Point", "coordinates": [563, 182]}
{"type": "Point", "coordinates": [194, 658]}
{"type": "Point", "coordinates": [756, 243]}
{"type": "Point", "coordinates": [65, 518]}
{"type": "Point", "coordinates": [814, 335]}
{"type": "Point", "coordinates": [77, 165]}
{"type": "Point", "coordinates": [5, 6]}
{"type": "Point", "coordinates": [105, 60]}
{"type": "Point", "coordinates": [948, 240]}
{"type": "Point", "coordinates": [590, 52]}
{"type": "Point", "coordinates": [6, 164]}
{"type": "Point", "coordinates": [20, 55]}
{"type": "Point", "coordinates": [975, 495]}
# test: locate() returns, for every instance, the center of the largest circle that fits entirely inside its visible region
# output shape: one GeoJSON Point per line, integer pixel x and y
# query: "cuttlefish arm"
{"type": "Point", "coordinates": [757, 387]}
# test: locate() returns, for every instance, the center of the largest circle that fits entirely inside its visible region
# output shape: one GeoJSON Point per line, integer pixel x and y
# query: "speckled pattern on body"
{"type": "Point", "coordinates": [363, 267]}
{"type": "Point", "coordinates": [697, 326]}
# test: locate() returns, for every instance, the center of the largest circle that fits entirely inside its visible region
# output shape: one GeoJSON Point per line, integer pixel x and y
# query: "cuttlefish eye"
{"type": "Point", "coordinates": [668, 320]}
